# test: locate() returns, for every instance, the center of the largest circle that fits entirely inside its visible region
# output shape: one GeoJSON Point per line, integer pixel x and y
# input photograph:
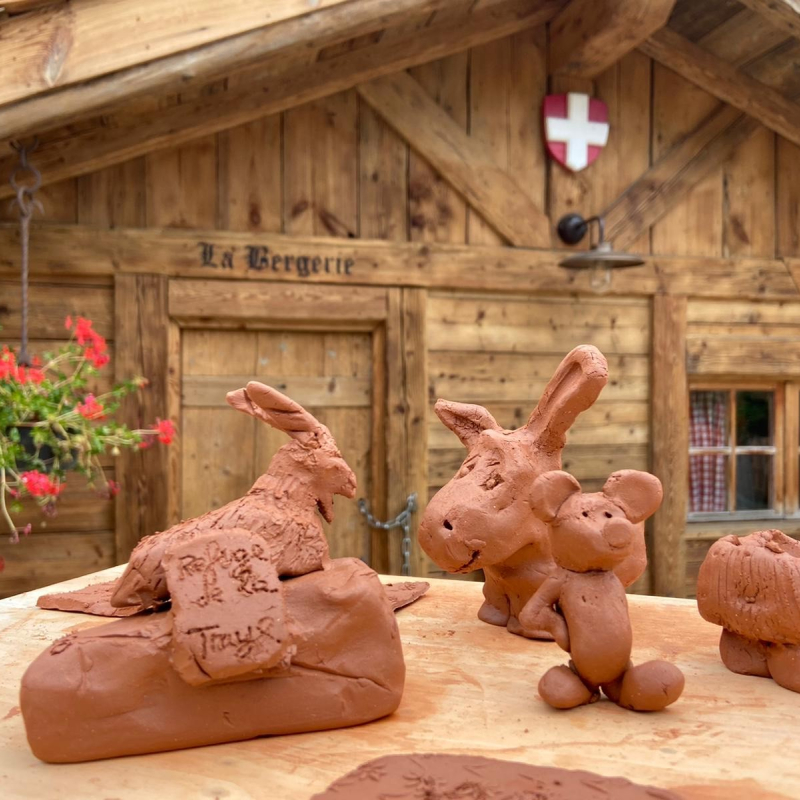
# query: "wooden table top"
{"type": "Point", "coordinates": [470, 688]}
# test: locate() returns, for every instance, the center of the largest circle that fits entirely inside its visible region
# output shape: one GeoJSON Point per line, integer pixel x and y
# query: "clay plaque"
{"type": "Point", "coordinates": [228, 605]}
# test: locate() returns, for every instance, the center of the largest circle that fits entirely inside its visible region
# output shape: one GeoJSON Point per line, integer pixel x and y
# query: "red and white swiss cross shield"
{"type": "Point", "coordinates": [575, 128]}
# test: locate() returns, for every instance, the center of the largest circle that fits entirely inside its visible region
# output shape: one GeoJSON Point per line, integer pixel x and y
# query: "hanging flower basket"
{"type": "Point", "coordinates": [52, 425]}
{"type": "Point", "coordinates": [44, 454]}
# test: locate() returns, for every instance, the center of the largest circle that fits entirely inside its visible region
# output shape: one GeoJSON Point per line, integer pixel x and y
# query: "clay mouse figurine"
{"type": "Point", "coordinates": [582, 603]}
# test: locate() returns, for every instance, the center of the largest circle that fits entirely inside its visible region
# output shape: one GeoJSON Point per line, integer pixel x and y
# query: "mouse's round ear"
{"type": "Point", "coordinates": [549, 491]}
{"type": "Point", "coordinates": [638, 494]}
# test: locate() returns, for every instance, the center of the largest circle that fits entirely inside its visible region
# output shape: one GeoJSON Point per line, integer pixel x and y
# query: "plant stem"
{"type": "Point", "coordinates": [4, 508]}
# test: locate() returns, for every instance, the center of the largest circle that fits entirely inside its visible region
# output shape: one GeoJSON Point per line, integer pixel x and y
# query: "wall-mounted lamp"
{"type": "Point", "coordinates": [600, 258]}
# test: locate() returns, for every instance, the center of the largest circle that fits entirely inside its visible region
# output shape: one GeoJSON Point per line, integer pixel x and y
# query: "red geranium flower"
{"type": "Point", "coordinates": [90, 408]}
{"type": "Point", "coordinates": [166, 430]}
{"type": "Point", "coordinates": [39, 485]}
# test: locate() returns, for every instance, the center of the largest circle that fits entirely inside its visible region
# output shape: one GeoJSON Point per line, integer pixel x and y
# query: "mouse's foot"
{"type": "Point", "coordinates": [651, 686]}
{"type": "Point", "coordinates": [560, 687]}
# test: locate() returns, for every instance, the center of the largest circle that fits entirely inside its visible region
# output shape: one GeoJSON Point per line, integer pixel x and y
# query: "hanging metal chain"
{"type": "Point", "coordinates": [25, 180]}
{"type": "Point", "coordinates": [402, 520]}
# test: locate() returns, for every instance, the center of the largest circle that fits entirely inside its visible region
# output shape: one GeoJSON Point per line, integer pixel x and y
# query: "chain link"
{"type": "Point", "coordinates": [24, 199]}
{"type": "Point", "coordinates": [402, 520]}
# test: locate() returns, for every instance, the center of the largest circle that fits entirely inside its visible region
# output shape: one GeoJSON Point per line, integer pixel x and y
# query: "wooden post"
{"type": "Point", "coordinates": [670, 443]}
{"type": "Point", "coordinates": [407, 429]}
{"type": "Point", "coordinates": [416, 403]}
{"type": "Point", "coordinates": [142, 348]}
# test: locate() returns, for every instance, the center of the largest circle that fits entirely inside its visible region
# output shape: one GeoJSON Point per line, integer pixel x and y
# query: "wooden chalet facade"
{"type": "Point", "coordinates": [351, 200]}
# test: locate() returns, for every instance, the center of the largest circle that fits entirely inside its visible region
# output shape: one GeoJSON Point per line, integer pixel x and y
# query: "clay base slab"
{"type": "Point", "coordinates": [111, 690]}
{"type": "Point", "coordinates": [446, 777]}
{"type": "Point", "coordinates": [94, 599]}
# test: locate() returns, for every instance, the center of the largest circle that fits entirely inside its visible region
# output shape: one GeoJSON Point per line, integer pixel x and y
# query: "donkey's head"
{"type": "Point", "coordinates": [484, 515]}
{"type": "Point", "coordinates": [312, 455]}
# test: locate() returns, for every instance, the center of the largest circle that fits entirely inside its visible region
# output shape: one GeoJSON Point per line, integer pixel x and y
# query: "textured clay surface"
{"type": "Point", "coordinates": [750, 585]}
{"type": "Point", "coordinates": [112, 690]}
{"type": "Point", "coordinates": [404, 594]}
{"type": "Point", "coordinates": [281, 508]}
{"type": "Point", "coordinates": [582, 602]}
{"type": "Point", "coordinates": [264, 635]}
{"type": "Point", "coordinates": [94, 599]}
{"type": "Point", "coordinates": [450, 777]}
{"type": "Point", "coordinates": [482, 519]}
{"type": "Point", "coordinates": [229, 616]}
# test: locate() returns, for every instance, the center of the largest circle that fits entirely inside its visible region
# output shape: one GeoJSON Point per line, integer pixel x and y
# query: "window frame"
{"type": "Point", "coordinates": [786, 463]}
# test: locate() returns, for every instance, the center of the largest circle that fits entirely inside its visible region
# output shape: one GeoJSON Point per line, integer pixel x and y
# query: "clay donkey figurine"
{"type": "Point", "coordinates": [281, 507]}
{"type": "Point", "coordinates": [482, 519]}
{"type": "Point", "coordinates": [583, 604]}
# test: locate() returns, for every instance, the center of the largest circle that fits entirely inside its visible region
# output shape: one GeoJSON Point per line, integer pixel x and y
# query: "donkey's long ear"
{"type": "Point", "coordinates": [276, 409]}
{"type": "Point", "coordinates": [573, 388]}
{"type": "Point", "coordinates": [465, 420]}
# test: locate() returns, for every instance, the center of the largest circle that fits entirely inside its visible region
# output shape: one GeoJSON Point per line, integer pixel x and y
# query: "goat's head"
{"type": "Point", "coordinates": [312, 452]}
{"type": "Point", "coordinates": [484, 514]}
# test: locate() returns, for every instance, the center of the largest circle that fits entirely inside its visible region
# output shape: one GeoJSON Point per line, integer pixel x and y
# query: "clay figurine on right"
{"type": "Point", "coordinates": [750, 585]}
{"type": "Point", "coordinates": [582, 603]}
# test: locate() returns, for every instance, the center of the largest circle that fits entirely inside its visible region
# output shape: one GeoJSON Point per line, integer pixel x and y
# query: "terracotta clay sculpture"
{"type": "Point", "coordinates": [451, 777]}
{"type": "Point", "coordinates": [247, 646]}
{"type": "Point", "coordinates": [281, 508]}
{"type": "Point", "coordinates": [750, 585]}
{"type": "Point", "coordinates": [582, 603]}
{"type": "Point", "coordinates": [482, 519]}
{"type": "Point", "coordinates": [94, 599]}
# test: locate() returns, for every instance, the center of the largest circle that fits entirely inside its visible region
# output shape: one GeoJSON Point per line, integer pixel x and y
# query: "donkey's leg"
{"type": "Point", "coordinates": [495, 609]}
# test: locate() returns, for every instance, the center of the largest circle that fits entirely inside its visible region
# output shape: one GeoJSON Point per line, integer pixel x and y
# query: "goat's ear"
{"type": "Point", "coordinates": [573, 388]}
{"type": "Point", "coordinates": [276, 409]}
{"type": "Point", "coordinates": [465, 420]}
{"type": "Point", "coordinates": [638, 494]}
{"type": "Point", "coordinates": [549, 491]}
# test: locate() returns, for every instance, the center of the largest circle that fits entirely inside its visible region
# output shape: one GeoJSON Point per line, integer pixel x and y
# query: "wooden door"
{"type": "Point", "coordinates": [329, 373]}
{"type": "Point", "coordinates": [324, 350]}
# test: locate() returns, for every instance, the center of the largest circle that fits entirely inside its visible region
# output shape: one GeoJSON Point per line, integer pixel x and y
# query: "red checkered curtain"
{"type": "Point", "coordinates": [708, 481]}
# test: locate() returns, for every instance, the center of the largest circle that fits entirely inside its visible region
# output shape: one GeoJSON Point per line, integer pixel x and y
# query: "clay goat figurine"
{"type": "Point", "coordinates": [281, 507]}
{"type": "Point", "coordinates": [483, 519]}
{"type": "Point", "coordinates": [582, 603]}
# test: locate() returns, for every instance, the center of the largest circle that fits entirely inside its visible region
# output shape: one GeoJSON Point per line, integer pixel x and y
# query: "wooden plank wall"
{"type": "Point", "coordinates": [760, 341]}
{"type": "Point", "coordinates": [334, 168]}
{"type": "Point", "coordinates": [500, 352]}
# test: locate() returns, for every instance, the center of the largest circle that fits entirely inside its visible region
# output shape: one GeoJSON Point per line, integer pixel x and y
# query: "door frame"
{"type": "Point", "coordinates": [395, 319]}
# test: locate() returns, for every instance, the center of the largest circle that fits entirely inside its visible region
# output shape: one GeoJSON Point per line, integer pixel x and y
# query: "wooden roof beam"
{"type": "Point", "coordinates": [21, 6]}
{"type": "Point", "coordinates": [461, 160]}
{"type": "Point", "coordinates": [696, 155]}
{"type": "Point", "coordinates": [724, 81]}
{"type": "Point", "coordinates": [70, 151]}
{"type": "Point", "coordinates": [274, 47]}
{"type": "Point", "coordinates": [80, 40]}
{"type": "Point", "coordinates": [783, 14]}
{"type": "Point", "coordinates": [588, 36]}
